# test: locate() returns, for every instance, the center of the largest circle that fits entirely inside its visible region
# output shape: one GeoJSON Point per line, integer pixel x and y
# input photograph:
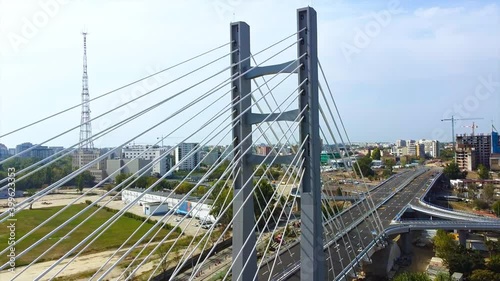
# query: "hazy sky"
{"type": "Point", "coordinates": [396, 68]}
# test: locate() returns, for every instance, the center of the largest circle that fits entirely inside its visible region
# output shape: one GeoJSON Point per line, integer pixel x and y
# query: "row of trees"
{"type": "Point", "coordinates": [46, 176]}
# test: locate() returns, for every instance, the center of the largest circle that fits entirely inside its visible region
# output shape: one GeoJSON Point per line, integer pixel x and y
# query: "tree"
{"type": "Point", "coordinates": [463, 260]}
{"type": "Point", "coordinates": [222, 196]}
{"type": "Point", "coordinates": [389, 163]}
{"type": "Point", "coordinates": [141, 182]}
{"type": "Point", "coordinates": [412, 276]}
{"type": "Point", "coordinates": [217, 173]}
{"type": "Point", "coordinates": [494, 263]}
{"type": "Point", "coordinates": [121, 177]}
{"type": "Point", "coordinates": [184, 188]}
{"type": "Point", "coordinates": [480, 204]}
{"type": "Point", "coordinates": [483, 275]}
{"type": "Point", "coordinates": [444, 244]}
{"type": "Point", "coordinates": [84, 179]}
{"type": "Point", "coordinates": [443, 276]}
{"type": "Point", "coordinates": [446, 154]}
{"type": "Point", "coordinates": [376, 154]}
{"type": "Point", "coordinates": [262, 195]}
{"type": "Point", "coordinates": [496, 208]}
{"type": "Point", "coordinates": [362, 165]}
{"type": "Point", "coordinates": [452, 171]}
{"type": "Point", "coordinates": [483, 172]}
{"type": "Point", "coordinates": [488, 192]}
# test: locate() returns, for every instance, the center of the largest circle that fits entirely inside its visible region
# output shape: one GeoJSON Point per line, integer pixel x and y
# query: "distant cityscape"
{"type": "Point", "coordinates": [471, 151]}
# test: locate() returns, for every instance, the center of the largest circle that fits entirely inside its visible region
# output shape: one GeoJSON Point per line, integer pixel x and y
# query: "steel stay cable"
{"type": "Point", "coordinates": [25, 202]}
{"type": "Point", "coordinates": [131, 235]}
{"type": "Point", "coordinates": [146, 167]}
{"type": "Point", "coordinates": [188, 74]}
{"type": "Point", "coordinates": [231, 165]}
{"type": "Point", "coordinates": [1, 162]}
{"type": "Point", "coordinates": [118, 214]}
{"type": "Point", "coordinates": [133, 100]}
{"type": "Point", "coordinates": [233, 149]}
{"type": "Point", "coordinates": [231, 175]}
{"type": "Point", "coordinates": [118, 186]}
{"type": "Point", "coordinates": [214, 89]}
{"type": "Point", "coordinates": [74, 257]}
{"type": "Point", "coordinates": [115, 90]}
{"type": "Point", "coordinates": [255, 186]}
{"type": "Point", "coordinates": [154, 162]}
{"type": "Point", "coordinates": [273, 88]}
{"type": "Point", "coordinates": [277, 84]}
{"type": "Point", "coordinates": [296, 158]}
{"type": "Point", "coordinates": [297, 176]}
{"type": "Point", "coordinates": [347, 136]}
{"type": "Point", "coordinates": [333, 137]}
{"type": "Point", "coordinates": [350, 213]}
{"type": "Point", "coordinates": [265, 119]}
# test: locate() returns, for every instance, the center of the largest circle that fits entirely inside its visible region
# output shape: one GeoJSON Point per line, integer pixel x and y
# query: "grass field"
{"type": "Point", "coordinates": [110, 239]}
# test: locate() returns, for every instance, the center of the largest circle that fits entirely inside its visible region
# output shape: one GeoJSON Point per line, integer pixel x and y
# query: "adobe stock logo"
{"type": "Point", "coordinates": [31, 26]}
{"type": "Point", "coordinates": [363, 37]}
{"type": "Point", "coordinates": [486, 88]}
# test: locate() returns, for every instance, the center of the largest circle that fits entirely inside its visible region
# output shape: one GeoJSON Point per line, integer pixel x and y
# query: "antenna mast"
{"type": "Point", "coordinates": [86, 143]}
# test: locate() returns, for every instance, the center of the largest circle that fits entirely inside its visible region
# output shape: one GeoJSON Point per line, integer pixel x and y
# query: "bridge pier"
{"type": "Point", "coordinates": [406, 239]}
{"type": "Point", "coordinates": [462, 237]}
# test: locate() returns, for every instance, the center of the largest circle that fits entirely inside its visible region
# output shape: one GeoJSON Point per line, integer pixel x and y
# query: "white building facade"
{"type": "Point", "coordinates": [149, 152]}
{"type": "Point", "coordinates": [176, 203]}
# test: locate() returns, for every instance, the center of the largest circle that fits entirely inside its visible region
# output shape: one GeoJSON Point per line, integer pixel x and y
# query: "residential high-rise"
{"type": "Point", "coordinates": [22, 147]}
{"type": "Point", "coordinates": [400, 143]}
{"type": "Point", "coordinates": [431, 147]}
{"type": "Point", "coordinates": [189, 152]}
{"type": "Point", "coordinates": [472, 150]}
{"type": "Point", "coordinates": [4, 151]}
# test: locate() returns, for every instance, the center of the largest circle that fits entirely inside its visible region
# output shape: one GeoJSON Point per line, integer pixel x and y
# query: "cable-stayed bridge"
{"type": "Point", "coordinates": [257, 229]}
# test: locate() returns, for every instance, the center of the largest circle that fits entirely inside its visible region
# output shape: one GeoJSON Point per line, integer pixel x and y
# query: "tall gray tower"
{"type": "Point", "coordinates": [86, 143]}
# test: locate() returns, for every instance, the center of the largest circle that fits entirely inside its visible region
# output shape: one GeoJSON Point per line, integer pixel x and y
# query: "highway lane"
{"type": "Point", "coordinates": [342, 252]}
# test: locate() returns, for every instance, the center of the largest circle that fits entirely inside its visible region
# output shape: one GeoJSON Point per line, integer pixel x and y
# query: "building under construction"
{"type": "Point", "coordinates": [473, 150]}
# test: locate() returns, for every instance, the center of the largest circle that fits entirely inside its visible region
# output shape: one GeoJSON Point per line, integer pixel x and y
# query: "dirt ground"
{"type": "Point", "coordinates": [421, 256]}
{"type": "Point", "coordinates": [92, 261]}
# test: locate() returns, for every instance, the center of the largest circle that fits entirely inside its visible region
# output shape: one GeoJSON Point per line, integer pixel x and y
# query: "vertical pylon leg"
{"type": "Point", "coordinates": [244, 220]}
{"type": "Point", "coordinates": [312, 256]}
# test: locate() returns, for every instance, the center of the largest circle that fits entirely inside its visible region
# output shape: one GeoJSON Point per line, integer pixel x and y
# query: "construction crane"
{"type": "Point", "coordinates": [453, 120]}
{"type": "Point", "coordinates": [473, 127]}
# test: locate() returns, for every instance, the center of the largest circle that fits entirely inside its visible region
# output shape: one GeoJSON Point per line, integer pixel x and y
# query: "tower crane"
{"type": "Point", "coordinates": [473, 127]}
{"type": "Point", "coordinates": [453, 120]}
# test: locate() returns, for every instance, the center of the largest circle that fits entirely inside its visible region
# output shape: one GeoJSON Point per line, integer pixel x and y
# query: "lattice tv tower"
{"type": "Point", "coordinates": [86, 143]}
